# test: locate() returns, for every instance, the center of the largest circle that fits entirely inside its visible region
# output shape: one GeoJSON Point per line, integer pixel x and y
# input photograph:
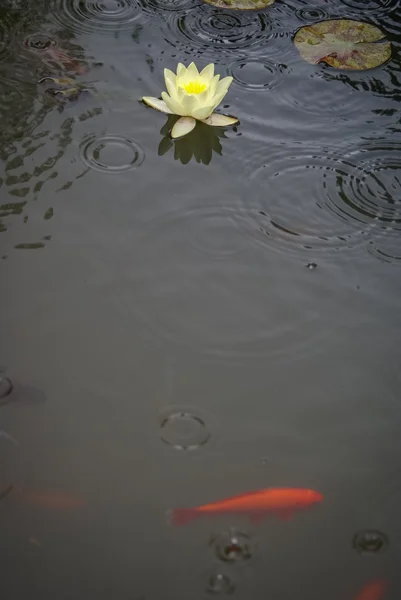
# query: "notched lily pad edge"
{"type": "Point", "coordinates": [240, 4]}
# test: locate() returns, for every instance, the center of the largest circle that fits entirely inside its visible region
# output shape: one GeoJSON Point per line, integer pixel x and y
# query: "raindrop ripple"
{"type": "Point", "coordinates": [111, 153]}
{"type": "Point", "coordinates": [257, 75]}
{"type": "Point", "coordinates": [370, 8]}
{"type": "Point", "coordinates": [105, 16]}
{"type": "Point", "coordinates": [207, 30]}
{"type": "Point", "coordinates": [331, 200]}
{"type": "Point", "coordinates": [183, 429]}
{"type": "Point", "coordinates": [180, 275]}
{"type": "Point", "coordinates": [158, 7]}
{"type": "Point", "coordinates": [311, 14]}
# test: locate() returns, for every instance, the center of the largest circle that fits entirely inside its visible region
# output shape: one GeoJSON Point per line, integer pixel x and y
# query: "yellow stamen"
{"type": "Point", "coordinates": [194, 87]}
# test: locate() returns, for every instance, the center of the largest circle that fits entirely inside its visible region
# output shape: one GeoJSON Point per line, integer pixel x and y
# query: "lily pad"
{"type": "Point", "coordinates": [343, 44]}
{"type": "Point", "coordinates": [241, 4]}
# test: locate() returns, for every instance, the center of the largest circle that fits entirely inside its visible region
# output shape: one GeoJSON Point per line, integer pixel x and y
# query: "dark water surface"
{"type": "Point", "coordinates": [236, 294]}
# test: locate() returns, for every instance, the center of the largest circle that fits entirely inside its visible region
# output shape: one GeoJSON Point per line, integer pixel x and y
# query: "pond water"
{"type": "Point", "coordinates": [185, 321]}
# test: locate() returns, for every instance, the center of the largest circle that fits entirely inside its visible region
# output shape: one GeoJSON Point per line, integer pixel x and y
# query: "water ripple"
{"type": "Point", "coordinates": [105, 16]}
{"type": "Point", "coordinates": [370, 8]}
{"type": "Point", "coordinates": [111, 153]}
{"type": "Point", "coordinates": [311, 14]}
{"type": "Point", "coordinates": [182, 294]}
{"type": "Point", "coordinates": [307, 201]}
{"type": "Point", "coordinates": [156, 7]}
{"type": "Point", "coordinates": [208, 30]}
{"type": "Point", "coordinates": [257, 74]}
{"type": "Point", "coordinates": [387, 249]}
{"type": "Point", "coordinates": [376, 187]}
{"type": "Point", "coordinates": [183, 429]}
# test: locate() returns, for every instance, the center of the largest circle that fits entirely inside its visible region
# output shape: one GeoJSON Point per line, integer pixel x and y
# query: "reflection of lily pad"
{"type": "Point", "coordinates": [343, 44]}
{"type": "Point", "coordinates": [241, 4]}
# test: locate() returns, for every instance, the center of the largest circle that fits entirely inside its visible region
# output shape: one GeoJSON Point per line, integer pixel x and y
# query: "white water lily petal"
{"type": "Point", "coordinates": [189, 104]}
{"type": "Point", "coordinates": [203, 98]}
{"type": "Point", "coordinates": [173, 105]}
{"type": "Point", "coordinates": [208, 72]}
{"type": "Point", "coordinates": [181, 70]}
{"type": "Point", "coordinates": [172, 89]}
{"type": "Point", "coordinates": [218, 97]}
{"type": "Point", "coordinates": [224, 84]}
{"type": "Point", "coordinates": [203, 112]}
{"type": "Point", "coordinates": [169, 75]}
{"type": "Point", "coordinates": [183, 126]}
{"type": "Point", "coordinates": [192, 71]}
{"type": "Point", "coordinates": [157, 104]}
{"type": "Point", "coordinates": [217, 120]}
{"type": "Point", "coordinates": [213, 84]}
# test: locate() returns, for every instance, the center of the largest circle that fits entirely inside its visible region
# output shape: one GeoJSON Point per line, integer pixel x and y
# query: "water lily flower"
{"type": "Point", "coordinates": [193, 96]}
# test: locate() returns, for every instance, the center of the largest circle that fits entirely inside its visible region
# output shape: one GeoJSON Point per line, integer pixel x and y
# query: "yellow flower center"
{"type": "Point", "coordinates": [194, 87]}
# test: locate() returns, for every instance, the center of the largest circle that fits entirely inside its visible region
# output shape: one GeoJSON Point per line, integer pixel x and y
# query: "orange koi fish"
{"type": "Point", "coordinates": [375, 590]}
{"type": "Point", "coordinates": [283, 502]}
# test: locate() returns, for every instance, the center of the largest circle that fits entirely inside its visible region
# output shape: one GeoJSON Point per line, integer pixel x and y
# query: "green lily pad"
{"type": "Point", "coordinates": [343, 44]}
{"type": "Point", "coordinates": [241, 4]}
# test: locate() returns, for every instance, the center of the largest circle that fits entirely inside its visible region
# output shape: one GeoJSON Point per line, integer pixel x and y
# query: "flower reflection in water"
{"type": "Point", "coordinates": [199, 144]}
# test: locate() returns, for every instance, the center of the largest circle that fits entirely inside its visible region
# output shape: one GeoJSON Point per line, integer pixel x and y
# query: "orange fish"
{"type": "Point", "coordinates": [282, 502]}
{"type": "Point", "coordinates": [375, 590]}
{"type": "Point", "coordinates": [50, 500]}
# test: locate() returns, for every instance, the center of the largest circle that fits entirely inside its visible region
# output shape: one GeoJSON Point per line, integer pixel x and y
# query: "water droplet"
{"type": "Point", "coordinates": [111, 153]}
{"type": "Point", "coordinates": [232, 546]}
{"type": "Point", "coordinates": [220, 583]}
{"type": "Point", "coordinates": [183, 429]}
{"type": "Point", "coordinates": [311, 266]}
{"type": "Point", "coordinates": [6, 387]}
{"type": "Point", "coordinates": [370, 541]}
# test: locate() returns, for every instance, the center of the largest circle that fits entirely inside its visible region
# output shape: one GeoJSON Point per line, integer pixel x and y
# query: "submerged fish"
{"type": "Point", "coordinates": [375, 590]}
{"type": "Point", "coordinates": [282, 502]}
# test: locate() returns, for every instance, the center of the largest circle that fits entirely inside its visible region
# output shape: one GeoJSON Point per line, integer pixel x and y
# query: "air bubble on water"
{"type": "Point", "coordinates": [220, 583]}
{"type": "Point", "coordinates": [370, 541]}
{"type": "Point", "coordinates": [232, 546]}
